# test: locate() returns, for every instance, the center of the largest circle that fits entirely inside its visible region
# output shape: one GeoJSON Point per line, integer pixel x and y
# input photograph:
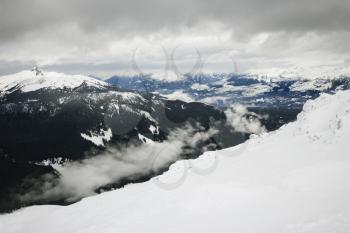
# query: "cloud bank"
{"type": "Point", "coordinates": [99, 37]}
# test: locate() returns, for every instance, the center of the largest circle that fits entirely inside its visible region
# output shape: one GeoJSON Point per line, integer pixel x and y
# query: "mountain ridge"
{"type": "Point", "coordinates": [27, 81]}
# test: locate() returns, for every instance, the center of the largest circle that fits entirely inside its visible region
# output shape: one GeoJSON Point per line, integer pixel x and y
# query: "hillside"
{"type": "Point", "coordinates": [290, 180]}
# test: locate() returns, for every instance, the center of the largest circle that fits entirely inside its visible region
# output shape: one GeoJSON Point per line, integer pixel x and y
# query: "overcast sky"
{"type": "Point", "coordinates": [105, 37]}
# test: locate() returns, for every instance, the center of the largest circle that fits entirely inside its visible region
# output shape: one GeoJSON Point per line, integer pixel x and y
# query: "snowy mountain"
{"type": "Point", "coordinates": [33, 80]}
{"type": "Point", "coordinates": [52, 119]}
{"type": "Point", "coordinates": [298, 72]}
{"type": "Point", "coordinates": [223, 90]}
{"type": "Point", "coordinates": [290, 180]}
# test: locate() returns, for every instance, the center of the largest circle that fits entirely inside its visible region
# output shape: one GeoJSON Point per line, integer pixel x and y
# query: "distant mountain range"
{"type": "Point", "coordinates": [223, 90]}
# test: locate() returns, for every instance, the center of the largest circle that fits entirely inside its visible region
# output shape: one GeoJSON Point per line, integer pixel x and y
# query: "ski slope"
{"type": "Point", "coordinates": [294, 179]}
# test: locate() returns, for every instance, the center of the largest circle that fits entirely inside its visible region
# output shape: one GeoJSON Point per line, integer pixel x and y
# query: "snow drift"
{"type": "Point", "coordinates": [290, 180]}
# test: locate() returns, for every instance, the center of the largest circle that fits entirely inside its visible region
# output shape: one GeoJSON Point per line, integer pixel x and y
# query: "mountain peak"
{"type": "Point", "coordinates": [37, 71]}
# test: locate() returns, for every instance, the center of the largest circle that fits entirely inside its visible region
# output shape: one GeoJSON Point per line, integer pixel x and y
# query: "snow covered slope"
{"type": "Point", "coordinates": [291, 180]}
{"type": "Point", "coordinates": [31, 81]}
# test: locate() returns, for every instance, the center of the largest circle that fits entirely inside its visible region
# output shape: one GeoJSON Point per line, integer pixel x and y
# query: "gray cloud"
{"type": "Point", "coordinates": [18, 17]}
{"type": "Point", "coordinates": [14, 66]}
{"type": "Point", "coordinates": [97, 37]}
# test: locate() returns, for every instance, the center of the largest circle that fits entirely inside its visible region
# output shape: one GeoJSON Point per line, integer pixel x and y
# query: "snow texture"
{"type": "Point", "coordinates": [98, 138]}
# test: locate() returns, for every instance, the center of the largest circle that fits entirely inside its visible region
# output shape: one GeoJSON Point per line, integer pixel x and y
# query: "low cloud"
{"type": "Point", "coordinates": [79, 179]}
{"type": "Point", "coordinates": [179, 95]}
{"type": "Point", "coordinates": [241, 120]}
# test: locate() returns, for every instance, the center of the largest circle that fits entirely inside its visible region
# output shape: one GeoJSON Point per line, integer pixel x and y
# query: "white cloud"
{"type": "Point", "coordinates": [241, 120]}
{"type": "Point", "coordinates": [200, 87]}
{"type": "Point", "coordinates": [179, 95]}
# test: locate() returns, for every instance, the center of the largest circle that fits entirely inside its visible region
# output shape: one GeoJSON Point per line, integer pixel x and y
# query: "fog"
{"type": "Point", "coordinates": [82, 178]}
{"type": "Point", "coordinates": [79, 179]}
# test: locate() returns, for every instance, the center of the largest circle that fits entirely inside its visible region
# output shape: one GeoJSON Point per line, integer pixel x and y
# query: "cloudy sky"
{"type": "Point", "coordinates": [106, 37]}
